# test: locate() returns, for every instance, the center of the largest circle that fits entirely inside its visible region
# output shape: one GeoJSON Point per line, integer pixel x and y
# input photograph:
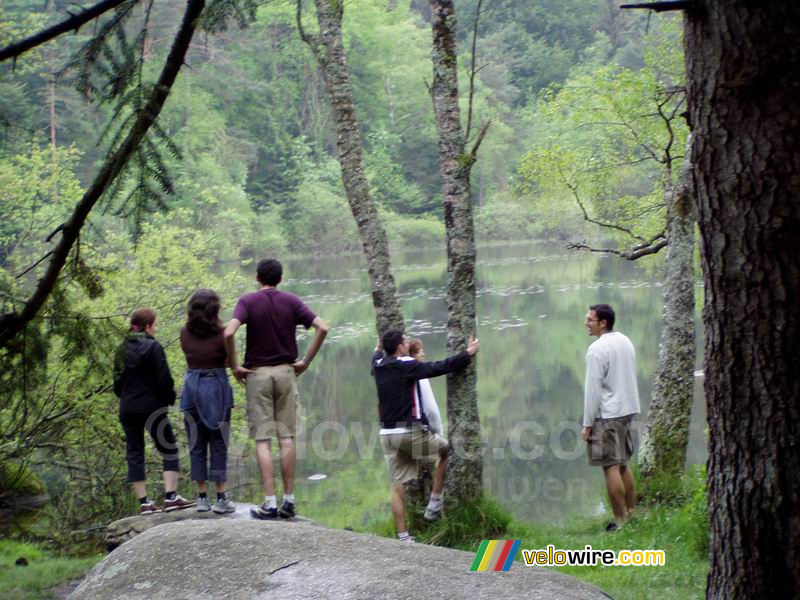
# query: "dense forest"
{"type": "Point", "coordinates": [257, 94]}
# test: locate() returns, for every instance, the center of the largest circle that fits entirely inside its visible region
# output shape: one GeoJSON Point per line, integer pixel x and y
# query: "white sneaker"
{"type": "Point", "coordinates": [203, 505]}
{"type": "Point", "coordinates": [224, 505]}
{"type": "Point", "coordinates": [433, 513]}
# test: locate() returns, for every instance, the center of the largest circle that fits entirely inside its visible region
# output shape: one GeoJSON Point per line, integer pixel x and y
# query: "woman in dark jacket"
{"type": "Point", "coordinates": [207, 398]}
{"type": "Point", "coordinates": [143, 383]}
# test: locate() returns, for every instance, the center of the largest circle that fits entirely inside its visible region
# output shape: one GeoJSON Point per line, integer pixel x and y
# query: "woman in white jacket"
{"type": "Point", "coordinates": [429, 407]}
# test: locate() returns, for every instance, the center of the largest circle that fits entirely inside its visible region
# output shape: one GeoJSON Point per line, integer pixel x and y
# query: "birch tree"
{"type": "Point", "coordinates": [465, 472]}
{"type": "Point", "coordinates": [328, 49]}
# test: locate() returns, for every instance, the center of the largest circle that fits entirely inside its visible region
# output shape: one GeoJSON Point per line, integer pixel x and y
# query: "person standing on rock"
{"type": "Point", "coordinates": [406, 438]}
{"type": "Point", "coordinates": [611, 401]}
{"type": "Point", "coordinates": [144, 386]}
{"type": "Point", "coordinates": [270, 370]}
{"type": "Point", "coordinates": [207, 398]}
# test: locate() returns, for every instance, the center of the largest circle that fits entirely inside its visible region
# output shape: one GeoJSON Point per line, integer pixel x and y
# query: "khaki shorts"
{"type": "Point", "coordinates": [272, 401]}
{"type": "Point", "coordinates": [613, 442]}
{"type": "Point", "coordinates": [404, 452]}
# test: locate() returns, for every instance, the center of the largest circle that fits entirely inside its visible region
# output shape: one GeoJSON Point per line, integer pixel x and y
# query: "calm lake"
{"type": "Point", "coordinates": [532, 300]}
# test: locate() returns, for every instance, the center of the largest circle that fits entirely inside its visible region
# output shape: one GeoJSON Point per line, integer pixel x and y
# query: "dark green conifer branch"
{"type": "Point", "coordinates": [14, 322]}
{"type": "Point", "coordinates": [75, 22]}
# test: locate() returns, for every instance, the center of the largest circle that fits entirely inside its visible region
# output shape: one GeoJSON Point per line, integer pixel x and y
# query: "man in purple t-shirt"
{"type": "Point", "coordinates": [270, 372]}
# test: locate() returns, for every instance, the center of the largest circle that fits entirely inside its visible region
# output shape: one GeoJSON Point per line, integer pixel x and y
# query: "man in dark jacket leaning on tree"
{"type": "Point", "coordinates": [405, 436]}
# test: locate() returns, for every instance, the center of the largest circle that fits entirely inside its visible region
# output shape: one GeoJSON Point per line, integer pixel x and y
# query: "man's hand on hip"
{"type": "Point", "coordinates": [300, 366]}
{"type": "Point", "coordinates": [241, 373]}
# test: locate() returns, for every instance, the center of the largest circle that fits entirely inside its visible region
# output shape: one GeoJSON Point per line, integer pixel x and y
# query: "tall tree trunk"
{"type": "Point", "coordinates": [743, 63]}
{"type": "Point", "coordinates": [664, 445]}
{"type": "Point", "coordinates": [329, 52]}
{"type": "Point", "coordinates": [465, 475]}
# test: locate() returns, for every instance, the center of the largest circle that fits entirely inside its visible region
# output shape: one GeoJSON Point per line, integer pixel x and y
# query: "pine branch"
{"type": "Point", "coordinates": [74, 23]}
{"type": "Point", "coordinates": [13, 323]}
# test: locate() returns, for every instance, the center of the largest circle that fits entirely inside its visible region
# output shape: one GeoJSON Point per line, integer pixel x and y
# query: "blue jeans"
{"type": "Point", "coordinates": [204, 441]}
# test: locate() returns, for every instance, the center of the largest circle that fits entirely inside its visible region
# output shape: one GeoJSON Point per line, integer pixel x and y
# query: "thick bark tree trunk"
{"type": "Point", "coordinates": [743, 63]}
{"type": "Point", "coordinates": [329, 51]}
{"type": "Point", "coordinates": [465, 474]}
{"type": "Point", "coordinates": [664, 445]}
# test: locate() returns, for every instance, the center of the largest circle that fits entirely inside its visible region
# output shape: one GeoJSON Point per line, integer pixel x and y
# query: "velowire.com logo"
{"type": "Point", "coordinates": [495, 555]}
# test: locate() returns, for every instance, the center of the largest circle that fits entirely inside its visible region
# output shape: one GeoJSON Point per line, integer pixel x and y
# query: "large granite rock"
{"type": "Point", "coordinates": [122, 530]}
{"type": "Point", "coordinates": [239, 559]}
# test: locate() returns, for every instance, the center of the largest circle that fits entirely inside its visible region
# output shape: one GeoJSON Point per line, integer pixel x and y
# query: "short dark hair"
{"type": "Point", "coordinates": [390, 340]}
{"type": "Point", "coordinates": [202, 314]}
{"type": "Point", "coordinates": [269, 271]}
{"type": "Point", "coordinates": [605, 313]}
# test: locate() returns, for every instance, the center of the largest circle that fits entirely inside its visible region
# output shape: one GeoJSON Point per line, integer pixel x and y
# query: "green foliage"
{"type": "Point", "coordinates": [681, 531]}
{"type": "Point", "coordinates": [323, 221]}
{"type": "Point", "coordinates": [45, 570]}
{"type": "Point", "coordinates": [18, 480]}
{"type": "Point", "coordinates": [504, 217]}
{"type": "Point", "coordinates": [388, 184]}
{"type": "Point", "coordinates": [39, 189]}
{"type": "Point", "coordinates": [409, 232]}
{"type": "Point", "coordinates": [610, 141]}
{"type": "Point", "coordinates": [220, 13]}
{"type": "Point", "coordinates": [464, 525]}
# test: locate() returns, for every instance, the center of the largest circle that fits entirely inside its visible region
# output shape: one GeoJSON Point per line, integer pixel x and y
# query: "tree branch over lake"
{"type": "Point", "coordinates": [653, 247]}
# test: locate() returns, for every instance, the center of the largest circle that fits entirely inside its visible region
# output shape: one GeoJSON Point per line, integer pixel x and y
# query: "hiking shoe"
{"type": "Point", "coordinates": [224, 505]}
{"type": "Point", "coordinates": [410, 539]}
{"type": "Point", "coordinates": [264, 513]}
{"type": "Point", "coordinates": [432, 514]}
{"type": "Point", "coordinates": [177, 503]}
{"type": "Point", "coordinates": [149, 508]}
{"type": "Point", "coordinates": [286, 510]}
{"type": "Point", "coordinates": [203, 505]}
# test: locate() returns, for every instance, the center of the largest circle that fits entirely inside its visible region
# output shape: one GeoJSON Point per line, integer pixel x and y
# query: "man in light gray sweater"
{"type": "Point", "coordinates": [611, 401]}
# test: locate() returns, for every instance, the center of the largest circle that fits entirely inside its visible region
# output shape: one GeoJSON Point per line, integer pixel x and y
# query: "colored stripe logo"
{"type": "Point", "coordinates": [495, 555]}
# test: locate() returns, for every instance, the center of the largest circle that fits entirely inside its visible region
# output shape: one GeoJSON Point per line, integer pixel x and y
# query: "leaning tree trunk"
{"type": "Point", "coordinates": [664, 445]}
{"type": "Point", "coordinates": [743, 63]}
{"type": "Point", "coordinates": [465, 475]}
{"type": "Point", "coordinates": [329, 52]}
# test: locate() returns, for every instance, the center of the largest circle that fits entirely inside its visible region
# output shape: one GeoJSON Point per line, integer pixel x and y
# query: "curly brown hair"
{"type": "Point", "coordinates": [202, 314]}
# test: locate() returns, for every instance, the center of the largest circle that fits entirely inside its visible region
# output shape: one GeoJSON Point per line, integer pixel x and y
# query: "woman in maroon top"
{"type": "Point", "coordinates": [207, 397]}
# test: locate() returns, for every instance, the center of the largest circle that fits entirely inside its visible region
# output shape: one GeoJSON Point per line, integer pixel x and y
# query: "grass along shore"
{"type": "Point", "coordinates": [42, 572]}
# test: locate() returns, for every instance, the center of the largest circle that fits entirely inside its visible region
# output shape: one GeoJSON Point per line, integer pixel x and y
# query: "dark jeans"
{"type": "Point", "coordinates": [160, 430]}
{"type": "Point", "coordinates": [201, 441]}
